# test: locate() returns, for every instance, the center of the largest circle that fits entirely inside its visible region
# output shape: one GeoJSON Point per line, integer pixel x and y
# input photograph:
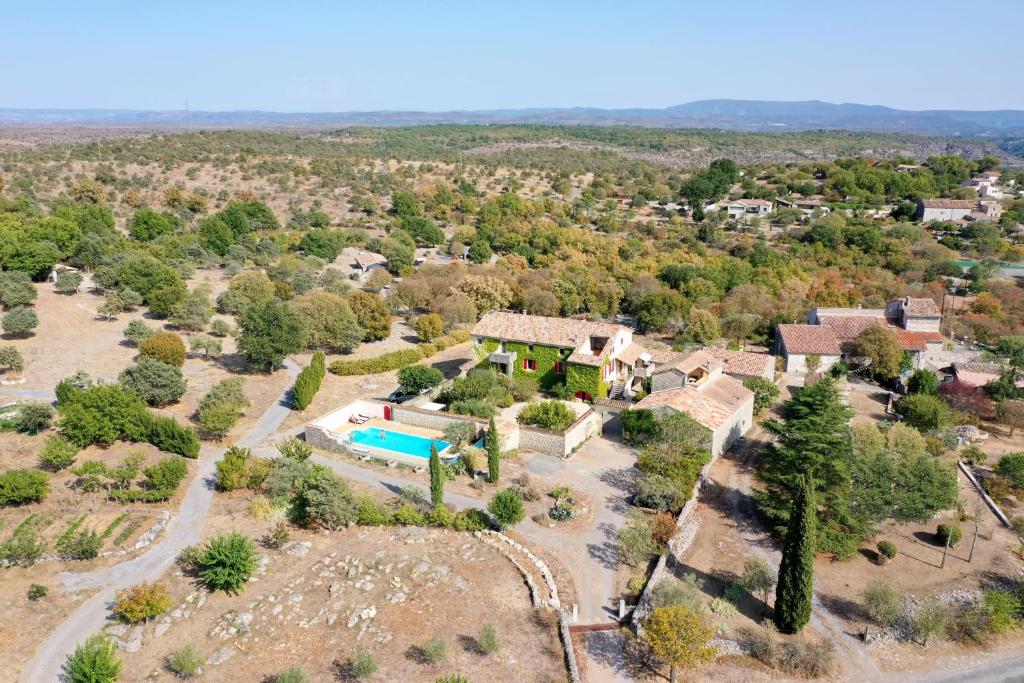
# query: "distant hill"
{"type": "Point", "coordinates": [738, 115]}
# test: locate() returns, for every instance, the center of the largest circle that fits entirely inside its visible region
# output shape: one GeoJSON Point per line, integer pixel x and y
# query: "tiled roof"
{"type": "Point", "coordinates": [368, 258]}
{"type": "Point", "coordinates": [631, 353]}
{"type": "Point", "coordinates": [712, 405]}
{"type": "Point", "coordinates": [733, 362]}
{"type": "Point", "coordinates": [749, 202]}
{"type": "Point", "coordinates": [921, 307]}
{"type": "Point", "coordinates": [812, 339]}
{"type": "Point", "coordinates": [916, 341]}
{"type": "Point", "coordinates": [849, 327]}
{"type": "Point", "coordinates": [948, 203]}
{"type": "Point", "coordinates": [743, 362]}
{"type": "Point", "coordinates": [537, 329]}
{"type": "Point", "coordinates": [979, 374]}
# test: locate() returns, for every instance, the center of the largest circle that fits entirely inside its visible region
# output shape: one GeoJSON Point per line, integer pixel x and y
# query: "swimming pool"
{"type": "Point", "coordinates": [407, 444]}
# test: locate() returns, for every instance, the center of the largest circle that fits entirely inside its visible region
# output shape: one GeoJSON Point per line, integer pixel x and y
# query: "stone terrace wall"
{"type": "Point", "coordinates": [560, 444]}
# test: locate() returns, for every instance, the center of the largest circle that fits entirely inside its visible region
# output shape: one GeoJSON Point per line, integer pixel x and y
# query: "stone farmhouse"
{"type": "Point", "coordinates": [829, 333]}
{"type": "Point", "coordinates": [599, 360]}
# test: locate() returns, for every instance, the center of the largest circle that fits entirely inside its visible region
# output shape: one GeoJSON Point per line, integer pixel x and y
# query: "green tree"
{"type": "Point", "coordinates": [324, 499]}
{"type": "Point", "coordinates": [1011, 468]}
{"type": "Point", "coordinates": [881, 347]}
{"type": "Point", "coordinates": [765, 393]}
{"type": "Point", "coordinates": [924, 412]}
{"type": "Point", "coordinates": [795, 589]}
{"type": "Point", "coordinates": [19, 322]}
{"type": "Point", "coordinates": [372, 313]}
{"type": "Point", "coordinates": [923, 382]}
{"type": "Point", "coordinates": [680, 638]}
{"type": "Point", "coordinates": [33, 417]}
{"type": "Point", "coordinates": [507, 508]}
{"type": "Point", "coordinates": [759, 578]}
{"type": "Point", "coordinates": [330, 323]}
{"type": "Point", "coordinates": [141, 603]}
{"type": "Point", "coordinates": [68, 282]}
{"type": "Point", "coordinates": [147, 224]}
{"type": "Point", "coordinates": [413, 379]}
{"type": "Point", "coordinates": [94, 661]}
{"type": "Point", "coordinates": [480, 251]}
{"type": "Point", "coordinates": [429, 326]}
{"type": "Point", "coordinates": [493, 446]}
{"type": "Point", "coordinates": [701, 326]}
{"type": "Point", "coordinates": [226, 562]}
{"type": "Point", "coordinates": [137, 331]}
{"type": "Point", "coordinates": [268, 332]}
{"type": "Point", "coordinates": [436, 477]}
{"type": "Point", "coordinates": [157, 383]}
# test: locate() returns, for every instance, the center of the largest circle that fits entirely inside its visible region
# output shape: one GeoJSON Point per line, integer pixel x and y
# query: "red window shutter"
{"type": "Point", "coordinates": [526, 364]}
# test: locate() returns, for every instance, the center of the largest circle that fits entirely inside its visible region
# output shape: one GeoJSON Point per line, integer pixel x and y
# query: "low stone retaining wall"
{"type": "Point", "coordinates": [497, 540]}
{"type": "Point", "coordinates": [996, 510]}
{"type": "Point", "coordinates": [570, 652]}
{"type": "Point", "coordinates": [432, 419]}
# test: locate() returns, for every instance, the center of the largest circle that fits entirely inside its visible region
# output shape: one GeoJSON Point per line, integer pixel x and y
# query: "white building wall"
{"type": "Point", "coordinates": [797, 362]}
{"type": "Point", "coordinates": [727, 434]}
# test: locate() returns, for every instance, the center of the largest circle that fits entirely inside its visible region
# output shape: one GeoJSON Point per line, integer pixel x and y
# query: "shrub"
{"type": "Point", "coordinates": [238, 469]}
{"type": "Point", "coordinates": [685, 592]}
{"type": "Point", "coordinates": [883, 603]}
{"type": "Point", "coordinates": [37, 592]}
{"type": "Point", "coordinates": [507, 508]}
{"type": "Point", "coordinates": [664, 528]}
{"type": "Point", "coordinates": [923, 382]}
{"type": "Point", "coordinates": [294, 448]}
{"type": "Point", "coordinates": [324, 499]}
{"type": "Point", "coordinates": [185, 662]}
{"type": "Point", "coordinates": [636, 540]}
{"type": "Point", "coordinates": [371, 513]}
{"type": "Point", "coordinates": [19, 322]}
{"type": "Point", "coordinates": [136, 332]}
{"type": "Point", "coordinates": [813, 660]}
{"type": "Point", "coordinates": [220, 408]}
{"type": "Point", "coordinates": [166, 474]}
{"type": "Point", "coordinates": [924, 412]}
{"type": "Point", "coordinates": [205, 343]}
{"type": "Point", "coordinates": [886, 549]}
{"type": "Point", "coordinates": [435, 650]}
{"type": "Point", "coordinates": [11, 360]}
{"type": "Point", "coordinates": [94, 661]}
{"type": "Point", "coordinates": [1011, 467]}
{"type": "Point", "coordinates": [487, 641]}
{"type": "Point", "coordinates": [638, 423]}
{"type": "Point", "coordinates": [83, 545]}
{"type": "Point", "coordinates": [949, 534]}
{"type": "Point", "coordinates": [163, 346]}
{"type": "Point", "coordinates": [278, 536]}
{"type": "Point", "coordinates": [471, 520]}
{"type": "Point", "coordinates": [294, 674]}
{"type": "Point", "coordinates": [408, 515]}
{"type": "Point", "coordinates": [141, 603]}
{"type": "Point", "coordinates": [931, 618]}
{"type": "Point", "coordinates": [155, 382]}
{"type": "Point", "coordinates": [429, 326]}
{"type": "Point", "coordinates": [33, 417]}
{"type": "Point", "coordinates": [226, 562]}
{"type": "Point", "coordinates": [20, 486]}
{"type": "Point", "coordinates": [660, 493]}
{"type": "Point", "coordinates": [385, 362]}
{"type": "Point", "coordinates": [363, 665]}
{"type": "Point", "coordinates": [553, 415]}
{"type": "Point", "coordinates": [722, 607]}
{"type": "Point", "coordinates": [765, 392]}
{"type": "Point", "coordinates": [308, 382]}
{"type": "Point", "coordinates": [168, 435]}
{"type": "Point", "coordinates": [413, 379]}
{"type": "Point", "coordinates": [1003, 609]}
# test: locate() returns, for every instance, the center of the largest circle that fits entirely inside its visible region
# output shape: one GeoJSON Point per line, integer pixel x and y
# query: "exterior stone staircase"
{"type": "Point", "coordinates": [615, 391]}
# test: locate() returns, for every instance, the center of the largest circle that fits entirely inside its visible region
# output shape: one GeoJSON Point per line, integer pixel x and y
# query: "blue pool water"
{"type": "Point", "coordinates": [398, 442]}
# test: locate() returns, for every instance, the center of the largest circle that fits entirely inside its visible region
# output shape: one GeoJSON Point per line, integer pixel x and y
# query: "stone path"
{"type": "Point", "coordinates": [184, 529]}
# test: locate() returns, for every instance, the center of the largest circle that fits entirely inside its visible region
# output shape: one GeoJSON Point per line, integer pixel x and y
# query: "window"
{"type": "Point", "coordinates": [529, 347]}
{"type": "Point", "coordinates": [529, 364]}
{"type": "Point", "coordinates": [560, 367]}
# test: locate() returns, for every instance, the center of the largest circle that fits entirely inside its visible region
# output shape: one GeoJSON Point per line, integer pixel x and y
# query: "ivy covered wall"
{"type": "Point", "coordinates": [544, 356]}
{"type": "Point", "coordinates": [586, 378]}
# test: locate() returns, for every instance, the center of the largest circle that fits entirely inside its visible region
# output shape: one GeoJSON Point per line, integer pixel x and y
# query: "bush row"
{"type": "Point", "coordinates": [394, 360]}
{"type": "Point", "coordinates": [308, 382]}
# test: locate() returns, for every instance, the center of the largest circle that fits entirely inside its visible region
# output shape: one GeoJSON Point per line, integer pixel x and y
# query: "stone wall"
{"type": "Point", "coordinates": [432, 419]}
{"type": "Point", "coordinates": [560, 444]}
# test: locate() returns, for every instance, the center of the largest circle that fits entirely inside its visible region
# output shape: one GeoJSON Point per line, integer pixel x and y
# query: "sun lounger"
{"type": "Point", "coordinates": [361, 450]}
{"type": "Point", "coordinates": [357, 419]}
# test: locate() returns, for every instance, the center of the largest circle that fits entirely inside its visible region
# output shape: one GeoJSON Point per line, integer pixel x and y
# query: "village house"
{"type": "Point", "coordinates": [944, 209]}
{"type": "Point", "coordinates": [601, 360]}
{"type": "Point", "coordinates": [807, 206]}
{"type": "Point", "coordinates": [697, 386]}
{"type": "Point", "coordinates": [366, 261]}
{"type": "Point", "coordinates": [592, 359]}
{"type": "Point", "coordinates": [830, 333]}
{"type": "Point", "coordinates": [977, 374]}
{"type": "Point", "coordinates": [746, 208]}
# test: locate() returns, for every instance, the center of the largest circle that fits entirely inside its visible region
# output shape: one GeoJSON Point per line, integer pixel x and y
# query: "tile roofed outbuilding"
{"type": "Point", "coordinates": [920, 307]}
{"type": "Point", "coordinates": [712, 406]}
{"type": "Point", "coordinates": [810, 339]}
{"type": "Point", "coordinates": [538, 329]}
{"type": "Point", "coordinates": [743, 362]}
{"type": "Point", "coordinates": [948, 203]}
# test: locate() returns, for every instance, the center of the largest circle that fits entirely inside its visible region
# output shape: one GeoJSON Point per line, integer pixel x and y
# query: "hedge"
{"type": "Point", "coordinates": [140, 495]}
{"type": "Point", "coordinates": [308, 382]}
{"type": "Point", "coordinates": [166, 434]}
{"type": "Point", "coordinates": [394, 360]}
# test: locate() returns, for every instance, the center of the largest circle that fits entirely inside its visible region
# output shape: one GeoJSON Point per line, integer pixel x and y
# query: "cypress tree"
{"type": "Point", "coordinates": [436, 477]}
{"type": "Point", "coordinates": [795, 589]}
{"type": "Point", "coordinates": [493, 452]}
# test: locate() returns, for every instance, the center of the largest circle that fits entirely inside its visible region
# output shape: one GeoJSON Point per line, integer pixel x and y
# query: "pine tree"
{"type": "Point", "coordinates": [795, 589]}
{"type": "Point", "coordinates": [436, 477]}
{"type": "Point", "coordinates": [493, 452]}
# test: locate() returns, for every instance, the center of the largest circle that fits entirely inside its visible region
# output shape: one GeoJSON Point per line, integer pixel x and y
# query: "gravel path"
{"type": "Point", "coordinates": [184, 529]}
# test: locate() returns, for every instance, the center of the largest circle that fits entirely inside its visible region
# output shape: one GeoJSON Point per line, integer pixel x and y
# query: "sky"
{"type": "Point", "coordinates": [303, 56]}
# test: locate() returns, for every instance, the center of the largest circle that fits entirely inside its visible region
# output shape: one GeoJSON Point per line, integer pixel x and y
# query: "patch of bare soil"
{"type": "Point", "coordinates": [382, 590]}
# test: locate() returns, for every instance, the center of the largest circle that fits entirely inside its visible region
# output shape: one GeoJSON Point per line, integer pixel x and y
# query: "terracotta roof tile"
{"type": "Point", "coordinates": [810, 339]}
{"type": "Point", "coordinates": [538, 329]}
{"type": "Point", "coordinates": [948, 203]}
{"type": "Point", "coordinates": [920, 307]}
{"type": "Point", "coordinates": [712, 405]}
